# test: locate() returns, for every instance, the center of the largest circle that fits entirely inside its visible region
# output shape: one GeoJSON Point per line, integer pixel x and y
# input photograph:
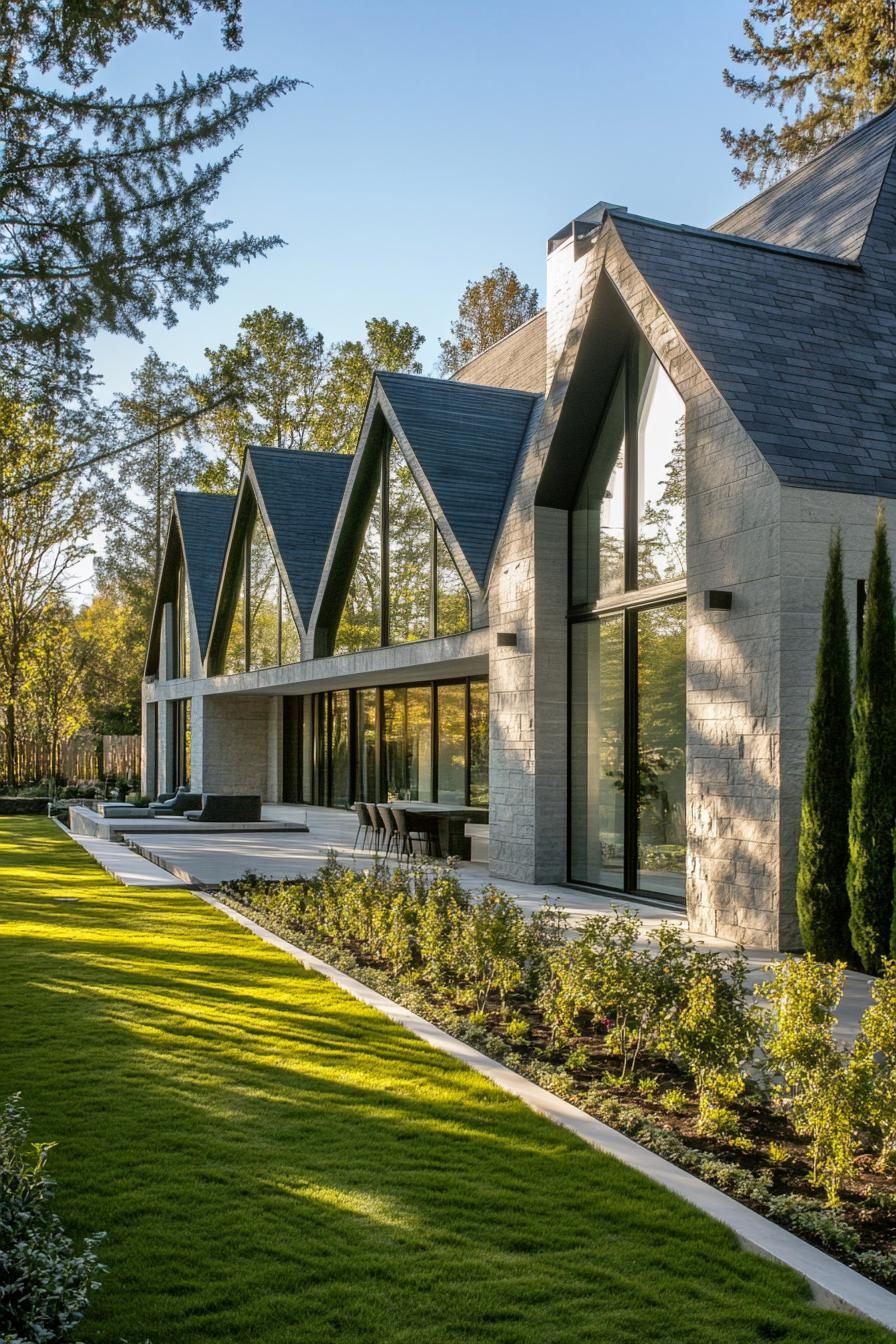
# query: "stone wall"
{"type": "Point", "coordinates": [230, 745]}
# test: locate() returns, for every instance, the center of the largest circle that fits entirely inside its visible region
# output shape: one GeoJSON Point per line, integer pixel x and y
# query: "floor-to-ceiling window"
{"type": "Point", "coordinates": [422, 743]}
{"type": "Point", "coordinates": [627, 641]}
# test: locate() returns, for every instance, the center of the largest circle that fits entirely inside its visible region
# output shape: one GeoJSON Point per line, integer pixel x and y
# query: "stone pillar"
{"type": "Point", "coordinates": [230, 745]}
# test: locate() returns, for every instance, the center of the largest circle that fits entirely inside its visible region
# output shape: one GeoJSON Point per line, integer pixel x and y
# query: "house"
{"type": "Point", "coordinates": [581, 581]}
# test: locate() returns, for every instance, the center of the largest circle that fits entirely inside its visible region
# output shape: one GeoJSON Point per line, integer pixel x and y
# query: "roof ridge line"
{"type": "Point", "coordinates": [880, 189]}
{"type": "Point", "coordinates": [452, 382]}
{"type": "Point", "coordinates": [742, 240]}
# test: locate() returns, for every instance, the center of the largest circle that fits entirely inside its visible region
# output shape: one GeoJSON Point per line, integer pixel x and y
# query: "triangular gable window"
{"type": "Point", "coordinates": [262, 631]}
{"type": "Point", "coordinates": [405, 586]}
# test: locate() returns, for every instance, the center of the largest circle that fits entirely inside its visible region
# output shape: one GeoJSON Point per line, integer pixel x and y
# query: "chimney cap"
{"type": "Point", "coordinates": [584, 224]}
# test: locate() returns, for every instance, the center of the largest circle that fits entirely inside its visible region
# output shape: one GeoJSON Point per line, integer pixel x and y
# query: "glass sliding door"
{"type": "Point", "coordinates": [597, 752]}
{"type": "Point", "coordinates": [479, 743]}
{"type": "Point", "coordinates": [367, 787]}
{"type": "Point", "coordinates": [452, 742]}
{"type": "Point", "coordinates": [661, 749]}
{"type": "Point", "coordinates": [407, 742]}
{"type": "Point", "coordinates": [339, 749]}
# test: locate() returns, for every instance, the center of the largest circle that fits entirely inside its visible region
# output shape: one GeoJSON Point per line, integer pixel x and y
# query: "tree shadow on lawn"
{"type": "Point", "coordinates": [275, 1162]}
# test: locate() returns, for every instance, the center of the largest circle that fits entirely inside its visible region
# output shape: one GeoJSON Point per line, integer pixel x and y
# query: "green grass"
{"type": "Point", "coordinates": [275, 1163]}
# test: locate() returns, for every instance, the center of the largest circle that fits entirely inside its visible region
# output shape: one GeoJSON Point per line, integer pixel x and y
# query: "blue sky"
{"type": "Point", "coordinates": [436, 141]}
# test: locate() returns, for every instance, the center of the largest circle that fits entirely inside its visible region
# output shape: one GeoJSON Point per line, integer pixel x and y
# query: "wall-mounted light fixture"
{"type": "Point", "coordinates": [717, 599]}
{"type": "Point", "coordinates": [506, 639]}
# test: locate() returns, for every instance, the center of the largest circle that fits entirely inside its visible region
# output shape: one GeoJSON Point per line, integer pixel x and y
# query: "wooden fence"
{"type": "Point", "coordinates": [82, 757]}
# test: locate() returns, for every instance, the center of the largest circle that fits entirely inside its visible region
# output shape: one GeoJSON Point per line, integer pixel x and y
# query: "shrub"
{"type": "Point", "coordinates": [817, 1081]}
{"type": "Point", "coordinates": [605, 979]}
{"type": "Point", "coordinates": [44, 1283]}
{"type": "Point", "coordinates": [714, 1034]}
{"type": "Point", "coordinates": [821, 899]}
{"type": "Point", "coordinates": [876, 1050]}
{"type": "Point", "coordinates": [491, 945]}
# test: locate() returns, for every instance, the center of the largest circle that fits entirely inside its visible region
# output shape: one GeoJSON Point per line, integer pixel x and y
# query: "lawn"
{"type": "Point", "coordinates": [275, 1163]}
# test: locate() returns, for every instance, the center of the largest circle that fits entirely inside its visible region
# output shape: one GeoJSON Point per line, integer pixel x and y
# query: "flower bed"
{"type": "Point", "coordinates": [664, 1044]}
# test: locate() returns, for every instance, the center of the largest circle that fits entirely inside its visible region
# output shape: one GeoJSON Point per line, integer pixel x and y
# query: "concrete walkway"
{"type": "Point", "coordinates": [206, 860]}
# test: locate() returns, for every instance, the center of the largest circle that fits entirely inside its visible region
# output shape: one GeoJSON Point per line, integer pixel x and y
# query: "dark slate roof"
{"type": "Point", "coordinates": [301, 492]}
{"type": "Point", "coordinates": [467, 439]}
{"type": "Point", "coordinates": [204, 522]}
{"type": "Point", "coordinates": [826, 205]}
{"type": "Point", "coordinates": [802, 349]}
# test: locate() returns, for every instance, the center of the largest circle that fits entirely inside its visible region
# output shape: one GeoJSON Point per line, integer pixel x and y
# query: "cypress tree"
{"type": "Point", "coordinates": [873, 809]}
{"type": "Point", "coordinates": [821, 900]}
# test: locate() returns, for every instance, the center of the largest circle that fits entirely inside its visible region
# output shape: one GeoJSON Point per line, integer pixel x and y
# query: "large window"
{"type": "Point", "coordinates": [425, 743]}
{"type": "Point", "coordinates": [405, 586]}
{"type": "Point", "coordinates": [627, 641]}
{"type": "Point", "coordinates": [262, 632]}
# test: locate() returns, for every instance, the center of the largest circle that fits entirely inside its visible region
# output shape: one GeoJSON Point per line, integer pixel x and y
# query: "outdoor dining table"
{"type": "Point", "coordinates": [451, 817]}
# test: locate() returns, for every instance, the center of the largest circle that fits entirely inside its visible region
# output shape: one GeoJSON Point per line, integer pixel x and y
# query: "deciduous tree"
{"type": "Point", "coordinates": [824, 66]}
{"type": "Point", "coordinates": [489, 309]}
{"type": "Point", "coordinates": [43, 534]}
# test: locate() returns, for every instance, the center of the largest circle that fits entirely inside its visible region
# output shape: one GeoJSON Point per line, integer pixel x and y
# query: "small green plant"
{"type": "Point", "coordinates": [674, 1100]}
{"type": "Point", "coordinates": [778, 1155]}
{"type": "Point", "coordinates": [578, 1058]}
{"type": "Point", "coordinates": [517, 1030]}
{"type": "Point", "coordinates": [478, 1018]}
{"type": "Point", "coordinates": [648, 1088]}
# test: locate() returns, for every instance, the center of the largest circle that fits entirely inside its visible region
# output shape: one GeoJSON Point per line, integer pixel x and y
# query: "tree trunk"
{"type": "Point", "coordinates": [11, 771]}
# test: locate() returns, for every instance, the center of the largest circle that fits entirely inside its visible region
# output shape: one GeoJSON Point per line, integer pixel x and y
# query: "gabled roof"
{"type": "Point", "coordinates": [826, 205]}
{"type": "Point", "coordinates": [466, 439]}
{"type": "Point", "coordinates": [204, 522]}
{"type": "Point", "coordinates": [802, 348]}
{"type": "Point", "coordinates": [300, 493]}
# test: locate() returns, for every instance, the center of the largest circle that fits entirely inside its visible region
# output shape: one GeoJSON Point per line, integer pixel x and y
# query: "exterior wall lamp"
{"type": "Point", "coordinates": [717, 599]}
{"type": "Point", "coordinates": [506, 639]}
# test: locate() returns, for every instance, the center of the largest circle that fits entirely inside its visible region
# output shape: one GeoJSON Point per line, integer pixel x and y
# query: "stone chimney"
{"type": "Point", "coordinates": [567, 250]}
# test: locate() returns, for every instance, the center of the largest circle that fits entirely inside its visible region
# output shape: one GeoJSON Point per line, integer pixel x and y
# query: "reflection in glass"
{"type": "Point", "coordinates": [598, 516]}
{"type": "Point", "coordinates": [661, 498]}
{"type": "Point", "coordinates": [407, 742]}
{"type": "Point", "coordinates": [661, 749]}
{"type": "Point", "coordinates": [452, 743]}
{"type": "Point", "coordinates": [367, 781]}
{"type": "Point", "coordinates": [308, 749]}
{"type": "Point", "coordinates": [320, 743]}
{"type": "Point", "coordinates": [182, 618]}
{"type": "Point", "coordinates": [452, 603]}
{"type": "Point", "coordinates": [264, 590]}
{"type": "Point", "coordinates": [596, 744]}
{"type": "Point", "coordinates": [410, 555]}
{"type": "Point", "coordinates": [479, 743]}
{"type": "Point", "coordinates": [359, 626]}
{"type": "Point", "coordinates": [290, 646]}
{"type": "Point", "coordinates": [235, 654]}
{"type": "Point", "coordinates": [339, 757]}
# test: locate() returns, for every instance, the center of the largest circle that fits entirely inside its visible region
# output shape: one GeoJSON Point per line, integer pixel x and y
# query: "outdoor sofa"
{"type": "Point", "coordinates": [176, 804]}
{"type": "Point", "coordinates": [233, 807]}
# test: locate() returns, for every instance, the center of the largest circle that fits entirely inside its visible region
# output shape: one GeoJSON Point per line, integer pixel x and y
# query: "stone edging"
{"type": "Point", "coordinates": [833, 1284]}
